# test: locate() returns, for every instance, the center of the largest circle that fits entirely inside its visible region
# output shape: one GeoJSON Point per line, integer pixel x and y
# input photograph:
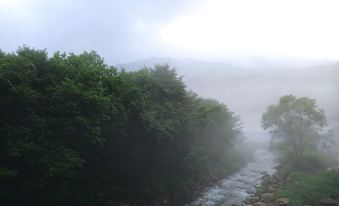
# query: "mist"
{"type": "Point", "coordinates": [248, 87]}
{"type": "Point", "coordinates": [162, 103]}
{"type": "Point", "coordinates": [234, 51]}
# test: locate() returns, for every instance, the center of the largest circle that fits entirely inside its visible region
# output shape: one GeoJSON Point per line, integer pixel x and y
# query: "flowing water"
{"type": "Point", "coordinates": [236, 188]}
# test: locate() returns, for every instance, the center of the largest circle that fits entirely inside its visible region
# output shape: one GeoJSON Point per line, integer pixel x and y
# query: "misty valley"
{"type": "Point", "coordinates": [165, 131]}
{"type": "Point", "coordinates": [169, 103]}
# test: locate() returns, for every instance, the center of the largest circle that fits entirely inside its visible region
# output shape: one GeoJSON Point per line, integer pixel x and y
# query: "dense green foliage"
{"type": "Point", "coordinates": [306, 189]}
{"type": "Point", "coordinates": [296, 125]}
{"type": "Point", "coordinates": [74, 131]}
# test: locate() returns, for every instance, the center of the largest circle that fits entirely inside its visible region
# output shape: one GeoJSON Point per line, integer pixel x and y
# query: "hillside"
{"type": "Point", "coordinates": [238, 86]}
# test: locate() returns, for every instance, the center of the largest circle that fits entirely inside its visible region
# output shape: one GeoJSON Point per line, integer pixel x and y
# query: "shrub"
{"type": "Point", "coordinates": [307, 189]}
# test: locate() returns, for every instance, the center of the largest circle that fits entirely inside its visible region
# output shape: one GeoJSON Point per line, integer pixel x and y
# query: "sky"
{"type": "Point", "coordinates": [126, 30]}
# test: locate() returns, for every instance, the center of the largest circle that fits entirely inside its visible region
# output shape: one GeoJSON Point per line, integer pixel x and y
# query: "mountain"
{"type": "Point", "coordinates": [248, 90]}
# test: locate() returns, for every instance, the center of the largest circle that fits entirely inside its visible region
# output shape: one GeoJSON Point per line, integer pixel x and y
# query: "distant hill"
{"type": "Point", "coordinates": [248, 90]}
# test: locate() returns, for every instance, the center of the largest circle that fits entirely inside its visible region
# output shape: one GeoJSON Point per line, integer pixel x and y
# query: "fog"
{"type": "Point", "coordinates": [248, 88]}
{"type": "Point", "coordinates": [92, 128]}
{"type": "Point", "coordinates": [246, 54]}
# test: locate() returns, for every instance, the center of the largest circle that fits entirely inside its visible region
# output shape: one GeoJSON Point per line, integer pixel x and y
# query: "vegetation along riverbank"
{"type": "Point", "coordinates": [308, 173]}
{"type": "Point", "coordinates": [75, 131]}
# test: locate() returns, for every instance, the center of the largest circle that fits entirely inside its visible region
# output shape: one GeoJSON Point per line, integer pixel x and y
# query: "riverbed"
{"type": "Point", "coordinates": [234, 189]}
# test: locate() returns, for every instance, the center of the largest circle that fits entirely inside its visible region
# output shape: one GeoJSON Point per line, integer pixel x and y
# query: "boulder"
{"type": "Point", "coordinates": [267, 197]}
{"type": "Point", "coordinates": [254, 199]}
{"type": "Point", "coordinates": [238, 204]}
{"type": "Point", "coordinates": [247, 201]}
{"type": "Point", "coordinates": [276, 185]}
{"type": "Point", "coordinates": [259, 204]}
{"type": "Point", "coordinates": [288, 179]}
{"type": "Point", "coordinates": [282, 201]}
{"type": "Point", "coordinates": [272, 188]}
{"type": "Point", "coordinates": [280, 176]}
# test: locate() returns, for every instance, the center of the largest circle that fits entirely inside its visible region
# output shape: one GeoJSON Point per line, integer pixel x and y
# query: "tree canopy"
{"type": "Point", "coordinates": [295, 123]}
{"type": "Point", "coordinates": [75, 131]}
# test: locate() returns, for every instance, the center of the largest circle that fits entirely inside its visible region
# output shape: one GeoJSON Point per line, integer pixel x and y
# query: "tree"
{"type": "Point", "coordinates": [295, 124]}
{"type": "Point", "coordinates": [75, 131]}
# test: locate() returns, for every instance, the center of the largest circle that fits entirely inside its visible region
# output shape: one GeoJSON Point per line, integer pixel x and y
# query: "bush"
{"type": "Point", "coordinates": [307, 189]}
{"type": "Point", "coordinates": [312, 161]}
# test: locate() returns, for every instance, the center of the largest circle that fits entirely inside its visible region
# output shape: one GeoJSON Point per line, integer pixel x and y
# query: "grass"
{"type": "Point", "coordinates": [309, 189]}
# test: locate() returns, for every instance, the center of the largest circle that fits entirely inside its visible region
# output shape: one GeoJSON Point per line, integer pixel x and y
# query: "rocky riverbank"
{"type": "Point", "coordinates": [266, 194]}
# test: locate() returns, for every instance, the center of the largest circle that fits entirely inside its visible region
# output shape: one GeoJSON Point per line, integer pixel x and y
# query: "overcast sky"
{"type": "Point", "coordinates": [127, 30]}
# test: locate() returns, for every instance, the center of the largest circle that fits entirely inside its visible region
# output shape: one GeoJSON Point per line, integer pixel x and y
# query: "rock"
{"type": "Point", "coordinates": [282, 201]}
{"type": "Point", "coordinates": [254, 199]}
{"type": "Point", "coordinates": [280, 176]}
{"type": "Point", "coordinates": [272, 188]}
{"type": "Point", "coordinates": [276, 185]}
{"type": "Point", "coordinates": [267, 197]}
{"type": "Point", "coordinates": [238, 204]}
{"type": "Point", "coordinates": [288, 179]}
{"type": "Point", "coordinates": [328, 202]}
{"type": "Point", "coordinates": [259, 204]}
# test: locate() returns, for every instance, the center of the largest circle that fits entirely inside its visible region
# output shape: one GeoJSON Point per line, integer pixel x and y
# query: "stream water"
{"type": "Point", "coordinates": [237, 187]}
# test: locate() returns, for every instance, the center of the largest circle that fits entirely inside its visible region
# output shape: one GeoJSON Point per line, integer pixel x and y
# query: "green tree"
{"type": "Point", "coordinates": [74, 131]}
{"type": "Point", "coordinates": [295, 124]}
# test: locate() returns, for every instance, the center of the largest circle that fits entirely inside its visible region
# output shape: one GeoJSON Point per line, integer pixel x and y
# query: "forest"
{"type": "Point", "coordinates": [75, 131]}
{"type": "Point", "coordinates": [169, 103]}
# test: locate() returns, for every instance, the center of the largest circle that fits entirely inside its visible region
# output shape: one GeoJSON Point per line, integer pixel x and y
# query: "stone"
{"type": "Point", "coordinates": [276, 185]}
{"type": "Point", "coordinates": [282, 201]}
{"type": "Point", "coordinates": [267, 197]}
{"type": "Point", "coordinates": [288, 179]}
{"type": "Point", "coordinates": [254, 199]}
{"type": "Point", "coordinates": [272, 188]}
{"type": "Point", "coordinates": [259, 204]}
{"type": "Point", "coordinates": [246, 201]}
{"type": "Point", "coordinates": [238, 204]}
{"type": "Point", "coordinates": [328, 202]}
